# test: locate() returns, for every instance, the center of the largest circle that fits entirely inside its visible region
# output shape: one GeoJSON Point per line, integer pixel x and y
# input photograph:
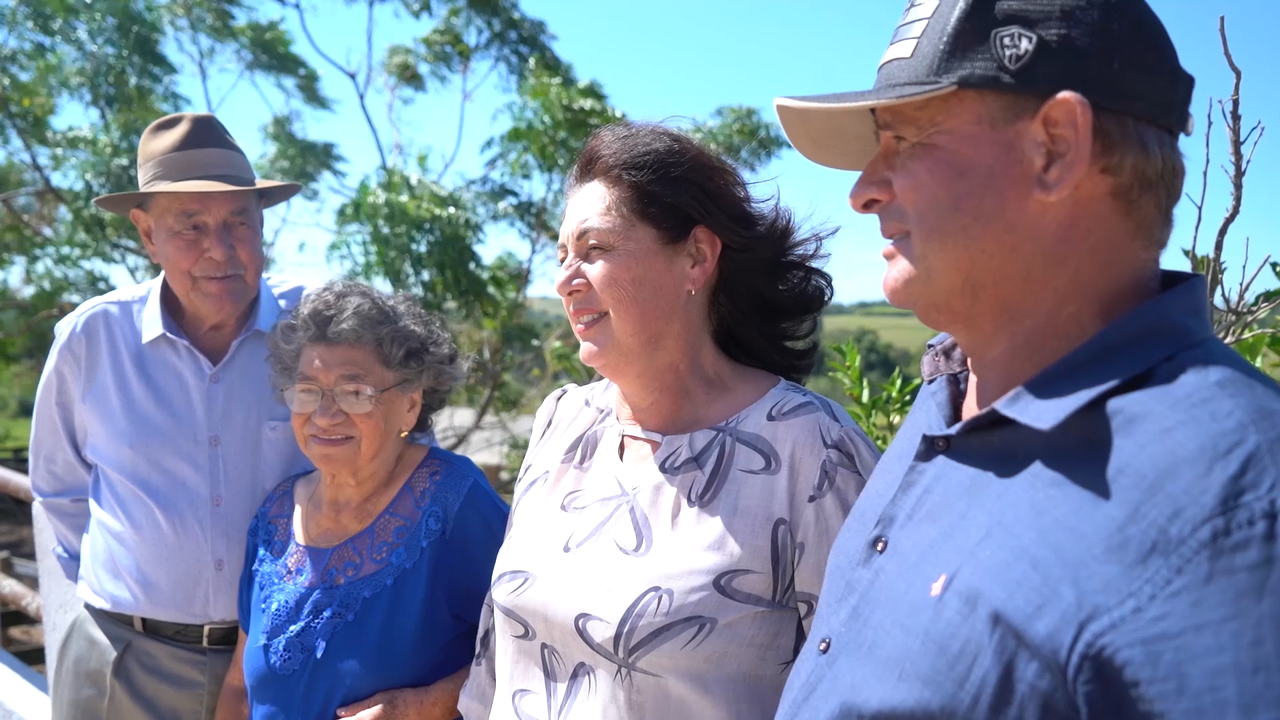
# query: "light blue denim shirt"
{"type": "Point", "coordinates": [150, 461]}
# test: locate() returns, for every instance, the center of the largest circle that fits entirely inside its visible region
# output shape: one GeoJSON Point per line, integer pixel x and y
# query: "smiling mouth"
{"type": "Point", "coordinates": [331, 439]}
{"type": "Point", "coordinates": [582, 323]}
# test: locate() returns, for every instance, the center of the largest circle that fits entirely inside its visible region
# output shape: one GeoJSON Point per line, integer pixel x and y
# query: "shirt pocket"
{"type": "Point", "coordinates": [281, 456]}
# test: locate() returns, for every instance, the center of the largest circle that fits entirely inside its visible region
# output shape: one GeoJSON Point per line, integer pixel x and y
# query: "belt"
{"type": "Point", "coordinates": [213, 635]}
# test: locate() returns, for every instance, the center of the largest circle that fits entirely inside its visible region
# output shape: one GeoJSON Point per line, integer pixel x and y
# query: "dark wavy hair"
{"type": "Point", "coordinates": [769, 293]}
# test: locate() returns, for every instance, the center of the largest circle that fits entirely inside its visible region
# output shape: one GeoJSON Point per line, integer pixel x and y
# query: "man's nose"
{"type": "Point", "coordinates": [873, 188]}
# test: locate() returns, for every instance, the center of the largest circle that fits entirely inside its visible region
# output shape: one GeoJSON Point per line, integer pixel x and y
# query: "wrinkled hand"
{"type": "Point", "coordinates": [387, 705]}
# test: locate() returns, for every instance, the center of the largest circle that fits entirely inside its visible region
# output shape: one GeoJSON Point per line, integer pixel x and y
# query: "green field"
{"type": "Point", "coordinates": [896, 328]}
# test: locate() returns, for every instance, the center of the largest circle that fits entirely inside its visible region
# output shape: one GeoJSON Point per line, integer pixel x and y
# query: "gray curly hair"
{"type": "Point", "coordinates": [409, 341]}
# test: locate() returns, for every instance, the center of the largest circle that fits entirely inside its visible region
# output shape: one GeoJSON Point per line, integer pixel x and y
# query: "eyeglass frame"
{"type": "Point", "coordinates": [331, 393]}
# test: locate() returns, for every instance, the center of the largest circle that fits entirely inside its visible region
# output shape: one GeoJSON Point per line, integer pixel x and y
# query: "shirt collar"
{"type": "Point", "coordinates": [1164, 325]}
{"type": "Point", "coordinates": [156, 320]}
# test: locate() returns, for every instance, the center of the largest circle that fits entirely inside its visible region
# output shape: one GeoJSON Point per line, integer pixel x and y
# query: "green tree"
{"type": "Point", "coordinates": [73, 105]}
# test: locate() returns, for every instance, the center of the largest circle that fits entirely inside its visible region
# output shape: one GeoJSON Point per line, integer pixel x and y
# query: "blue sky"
{"type": "Point", "coordinates": [667, 59]}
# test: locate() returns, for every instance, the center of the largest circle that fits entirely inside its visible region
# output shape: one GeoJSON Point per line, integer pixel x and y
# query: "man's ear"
{"type": "Point", "coordinates": [1060, 141]}
{"type": "Point", "coordinates": [704, 254]}
{"type": "Point", "coordinates": [146, 229]}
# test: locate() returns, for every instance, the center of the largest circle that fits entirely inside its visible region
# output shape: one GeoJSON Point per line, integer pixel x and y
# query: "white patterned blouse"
{"type": "Point", "coordinates": [679, 588]}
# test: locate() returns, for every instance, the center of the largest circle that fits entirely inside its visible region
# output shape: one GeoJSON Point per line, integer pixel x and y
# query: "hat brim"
{"type": "Point", "coordinates": [272, 192]}
{"type": "Point", "coordinates": [838, 130]}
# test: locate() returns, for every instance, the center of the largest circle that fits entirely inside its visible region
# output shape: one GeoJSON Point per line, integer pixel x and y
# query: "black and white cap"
{"type": "Point", "coordinates": [1116, 53]}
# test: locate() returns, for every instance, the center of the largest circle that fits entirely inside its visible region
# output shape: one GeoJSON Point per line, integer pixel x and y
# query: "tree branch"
{"type": "Point", "coordinates": [1237, 161]}
{"type": "Point", "coordinates": [265, 100]}
{"type": "Point", "coordinates": [368, 47]}
{"type": "Point", "coordinates": [31, 153]}
{"type": "Point", "coordinates": [200, 65]}
{"type": "Point", "coordinates": [1204, 188]}
{"type": "Point", "coordinates": [462, 117]}
{"type": "Point", "coordinates": [393, 94]}
{"type": "Point", "coordinates": [227, 93]}
{"type": "Point", "coordinates": [351, 74]}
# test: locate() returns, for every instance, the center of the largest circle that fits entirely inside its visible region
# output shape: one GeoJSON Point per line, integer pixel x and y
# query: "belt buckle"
{"type": "Point", "coordinates": [204, 640]}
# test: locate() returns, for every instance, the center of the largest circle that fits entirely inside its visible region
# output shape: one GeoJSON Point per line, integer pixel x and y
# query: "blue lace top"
{"type": "Point", "coordinates": [396, 605]}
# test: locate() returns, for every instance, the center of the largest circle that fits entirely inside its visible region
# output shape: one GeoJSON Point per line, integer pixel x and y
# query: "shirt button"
{"type": "Point", "coordinates": [219, 565]}
{"type": "Point", "coordinates": [941, 444]}
{"type": "Point", "coordinates": [215, 441]}
{"type": "Point", "coordinates": [215, 378]}
{"type": "Point", "coordinates": [824, 646]}
{"type": "Point", "coordinates": [881, 543]}
{"type": "Point", "coordinates": [217, 501]}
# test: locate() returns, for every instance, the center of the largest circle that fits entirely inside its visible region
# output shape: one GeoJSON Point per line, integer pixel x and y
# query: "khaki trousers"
{"type": "Point", "coordinates": [109, 671]}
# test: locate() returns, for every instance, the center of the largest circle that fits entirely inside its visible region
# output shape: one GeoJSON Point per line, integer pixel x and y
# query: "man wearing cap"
{"type": "Point", "coordinates": [156, 434]}
{"type": "Point", "coordinates": [1079, 516]}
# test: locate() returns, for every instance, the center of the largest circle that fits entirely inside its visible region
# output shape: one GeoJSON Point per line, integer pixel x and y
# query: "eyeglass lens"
{"type": "Point", "coordinates": [352, 399]}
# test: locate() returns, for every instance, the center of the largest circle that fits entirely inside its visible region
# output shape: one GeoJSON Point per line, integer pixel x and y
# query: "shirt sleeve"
{"type": "Point", "coordinates": [472, 601]}
{"type": "Point", "coordinates": [1203, 640]}
{"type": "Point", "coordinates": [476, 699]}
{"type": "Point", "coordinates": [60, 475]}
{"type": "Point", "coordinates": [836, 483]}
{"type": "Point", "coordinates": [247, 578]}
{"type": "Point", "coordinates": [474, 540]}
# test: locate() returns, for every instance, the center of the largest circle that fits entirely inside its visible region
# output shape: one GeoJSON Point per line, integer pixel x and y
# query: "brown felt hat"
{"type": "Point", "coordinates": [192, 153]}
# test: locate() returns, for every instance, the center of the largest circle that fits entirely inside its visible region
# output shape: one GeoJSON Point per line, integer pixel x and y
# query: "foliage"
{"type": "Point", "coordinates": [879, 408]}
{"type": "Point", "coordinates": [72, 108]}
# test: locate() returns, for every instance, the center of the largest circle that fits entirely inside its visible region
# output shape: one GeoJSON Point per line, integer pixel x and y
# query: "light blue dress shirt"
{"type": "Point", "coordinates": [150, 461]}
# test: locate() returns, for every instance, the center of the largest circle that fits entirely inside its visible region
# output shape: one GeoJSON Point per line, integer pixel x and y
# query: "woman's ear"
{"type": "Point", "coordinates": [704, 255]}
{"type": "Point", "coordinates": [413, 408]}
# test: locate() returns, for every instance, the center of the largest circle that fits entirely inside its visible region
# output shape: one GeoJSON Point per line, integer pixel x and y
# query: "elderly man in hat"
{"type": "Point", "coordinates": [1080, 517]}
{"type": "Point", "coordinates": [156, 434]}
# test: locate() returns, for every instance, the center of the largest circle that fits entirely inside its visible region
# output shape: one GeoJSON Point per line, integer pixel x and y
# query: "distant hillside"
{"type": "Point", "coordinates": [896, 327]}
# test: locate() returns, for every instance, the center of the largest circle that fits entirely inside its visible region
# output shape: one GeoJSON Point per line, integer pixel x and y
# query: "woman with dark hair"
{"type": "Point", "coordinates": [670, 526]}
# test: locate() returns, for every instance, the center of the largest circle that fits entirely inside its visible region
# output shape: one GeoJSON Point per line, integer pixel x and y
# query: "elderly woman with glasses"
{"type": "Point", "coordinates": [364, 580]}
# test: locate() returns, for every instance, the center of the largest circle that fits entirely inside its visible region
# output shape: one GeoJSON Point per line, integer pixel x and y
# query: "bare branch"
{"type": "Point", "coordinates": [462, 117]}
{"type": "Point", "coordinates": [21, 192]}
{"type": "Point", "coordinates": [284, 222]}
{"type": "Point", "coordinates": [1261, 131]}
{"type": "Point", "coordinates": [1237, 162]}
{"type": "Point", "coordinates": [31, 152]}
{"type": "Point", "coordinates": [265, 100]}
{"type": "Point", "coordinates": [25, 220]}
{"type": "Point", "coordinates": [1257, 332]}
{"type": "Point", "coordinates": [361, 90]}
{"type": "Point", "coordinates": [201, 65]}
{"type": "Point", "coordinates": [227, 93]}
{"type": "Point", "coordinates": [393, 94]}
{"type": "Point", "coordinates": [368, 46]}
{"type": "Point", "coordinates": [1204, 187]}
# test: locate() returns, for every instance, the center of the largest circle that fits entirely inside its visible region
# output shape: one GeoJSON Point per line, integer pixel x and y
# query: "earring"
{"type": "Point", "coordinates": [404, 433]}
{"type": "Point", "coordinates": [693, 292]}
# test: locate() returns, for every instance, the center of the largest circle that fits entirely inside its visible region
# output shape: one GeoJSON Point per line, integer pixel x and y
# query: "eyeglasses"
{"type": "Point", "coordinates": [352, 398]}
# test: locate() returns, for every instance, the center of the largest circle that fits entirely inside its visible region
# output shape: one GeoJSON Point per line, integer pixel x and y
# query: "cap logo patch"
{"type": "Point", "coordinates": [1013, 46]}
{"type": "Point", "coordinates": [907, 34]}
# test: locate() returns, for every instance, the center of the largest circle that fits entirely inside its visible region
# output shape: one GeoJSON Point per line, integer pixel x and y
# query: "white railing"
{"type": "Point", "coordinates": [24, 693]}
